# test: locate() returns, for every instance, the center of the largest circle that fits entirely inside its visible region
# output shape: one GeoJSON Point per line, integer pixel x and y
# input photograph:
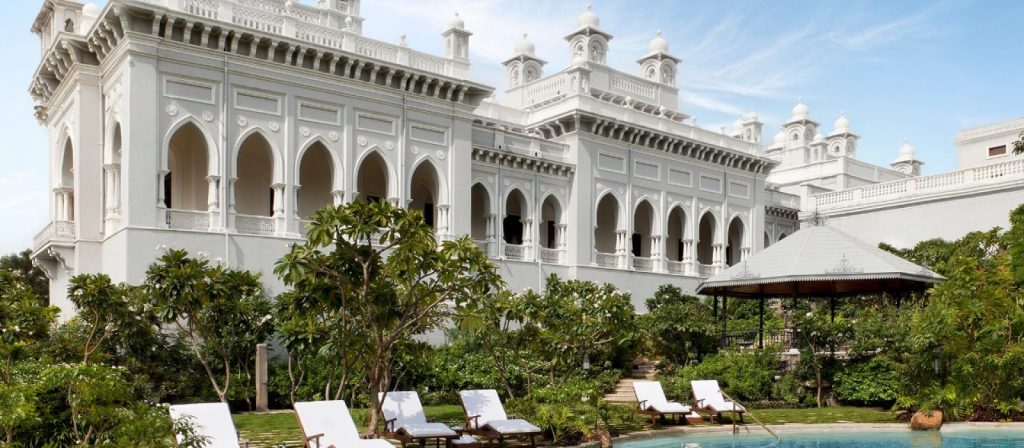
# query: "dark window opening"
{"type": "Point", "coordinates": [167, 190]}
{"type": "Point", "coordinates": [997, 151]}
{"type": "Point", "coordinates": [428, 214]}
{"type": "Point", "coordinates": [636, 244]}
{"type": "Point", "coordinates": [551, 235]}
{"type": "Point", "coordinates": [512, 229]}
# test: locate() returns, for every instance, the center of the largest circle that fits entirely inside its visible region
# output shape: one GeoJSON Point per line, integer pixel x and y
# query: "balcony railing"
{"type": "Point", "coordinates": [515, 252]}
{"type": "Point", "coordinates": [643, 264]}
{"type": "Point", "coordinates": [552, 256]}
{"type": "Point", "coordinates": [606, 260]}
{"type": "Point", "coordinates": [188, 220]}
{"type": "Point", "coordinates": [675, 267]}
{"type": "Point", "coordinates": [54, 231]}
{"type": "Point", "coordinates": [705, 270]}
{"type": "Point", "coordinates": [254, 225]}
{"type": "Point", "coordinates": [747, 339]}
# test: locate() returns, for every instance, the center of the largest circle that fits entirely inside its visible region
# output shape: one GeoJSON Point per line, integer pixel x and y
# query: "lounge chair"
{"type": "Point", "coordinates": [708, 397]}
{"type": "Point", "coordinates": [405, 421]}
{"type": "Point", "coordinates": [327, 424]}
{"type": "Point", "coordinates": [211, 421]}
{"type": "Point", "coordinates": [486, 416]}
{"type": "Point", "coordinates": [651, 401]}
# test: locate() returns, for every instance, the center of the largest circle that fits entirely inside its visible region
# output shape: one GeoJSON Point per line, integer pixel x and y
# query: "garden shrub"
{"type": "Point", "coordinates": [746, 376]}
{"type": "Point", "coordinates": [872, 382]}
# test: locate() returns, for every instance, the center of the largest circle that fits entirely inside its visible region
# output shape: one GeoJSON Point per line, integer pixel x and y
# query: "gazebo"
{"type": "Point", "coordinates": [821, 262]}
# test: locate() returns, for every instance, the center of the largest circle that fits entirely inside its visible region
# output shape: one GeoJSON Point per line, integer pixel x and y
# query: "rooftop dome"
{"type": "Point", "coordinates": [753, 117]}
{"type": "Point", "coordinates": [456, 22]}
{"type": "Point", "coordinates": [659, 43]}
{"type": "Point", "coordinates": [818, 138]}
{"type": "Point", "coordinates": [780, 139]}
{"type": "Point", "coordinates": [906, 152]}
{"type": "Point", "coordinates": [841, 125]}
{"type": "Point", "coordinates": [91, 9]}
{"type": "Point", "coordinates": [524, 46]}
{"type": "Point", "coordinates": [588, 18]}
{"type": "Point", "coordinates": [800, 111]}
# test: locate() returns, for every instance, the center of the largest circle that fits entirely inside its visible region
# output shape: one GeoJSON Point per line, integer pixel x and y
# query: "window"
{"type": "Point", "coordinates": [997, 151]}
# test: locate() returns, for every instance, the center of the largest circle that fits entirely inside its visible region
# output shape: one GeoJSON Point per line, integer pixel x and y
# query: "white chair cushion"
{"type": "Point", "coordinates": [649, 391]}
{"type": "Point", "coordinates": [484, 403]}
{"type": "Point", "coordinates": [517, 426]}
{"type": "Point", "coordinates": [465, 440]}
{"type": "Point", "coordinates": [404, 407]}
{"type": "Point", "coordinates": [211, 420]}
{"type": "Point", "coordinates": [670, 408]}
{"type": "Point", "coordinates": [428, 430]}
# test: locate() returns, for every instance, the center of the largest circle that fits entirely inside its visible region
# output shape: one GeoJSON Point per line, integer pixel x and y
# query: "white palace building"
{"type": "Point", "coordinates": [219, 126]}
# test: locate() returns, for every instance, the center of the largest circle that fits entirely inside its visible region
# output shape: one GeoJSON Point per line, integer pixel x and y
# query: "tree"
{"type": "Point", "coordinates": [680, 327]}
{"type": "Point", "coordinates": [819, 336]}
{"type": "Point", "coordinates": [220, 313]}
{"type": "Point", "coordinates": [21, 263]}
{"type": "Point", "coordinates": [1018, 146]}
{"type": "Point", "coordinates": [379, 271]}
{"type": "Point", "coordinates": [1015, 244]}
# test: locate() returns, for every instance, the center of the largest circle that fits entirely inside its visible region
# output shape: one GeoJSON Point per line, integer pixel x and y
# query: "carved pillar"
{"type": "Point", "coordinates": [744, 253]}
{"type": "Point", "coordinates": [108, 191]}
{"type": "Point", "coordinates": [213, 200]}
{"type": "Point", "coordinates": [69, 204]}
{"type": "Point", "coordinates": [442, 220]}
{"type": "Point", "coordinates": [657, 250]}
{"type": "Point", "coordinates": [231, 202]}
{"type": "Point", "coordinates": [58, 205]}
{"type": "Point", "coordinates": [688, 257]}
{"type": "Point", "coordinates": [280, 219]}
{"type": "Point", "coordinates": [620, 248]}
{"type": "Point", "coordinates": [527, 238]}
{"type": "Point", "coordinates": [489, 234]}
{"type": "Point", "coordinates": [117, 189]}
{"type": "Point", "coordinates": [338, 196]}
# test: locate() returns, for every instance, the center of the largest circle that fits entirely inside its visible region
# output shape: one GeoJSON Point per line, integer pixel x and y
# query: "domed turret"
{"type": "Point", "coordinates": [524, 46]}
{"type": "Point", "coordinates": [779, 140]}
{"type": "Point", "coordinates": [589, 19]}
{"type": "Point", "coordinates": [907, 162]}
{"type": "Point", "coordinates": [800, 111]}
{"type": "Point", "coordinates": [659, 44]}
{"type": "Point", "coordinates": [841, 125]}
{"type": "Point", "coordinates": [907, 151]}
{"type": "Point", "coordinates": [456, 22]}
{"type": "Point", "coordinates": [818, 138]}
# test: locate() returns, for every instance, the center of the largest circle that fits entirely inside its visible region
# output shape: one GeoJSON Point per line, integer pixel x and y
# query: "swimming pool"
{"type": "Point", "coordinates": [974, 438]}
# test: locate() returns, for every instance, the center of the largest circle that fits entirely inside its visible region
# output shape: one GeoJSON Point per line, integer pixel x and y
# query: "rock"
{"type": "Point", "coordinates": [605, 437]}
{"type": "Point", "coordinates": [926, 421]}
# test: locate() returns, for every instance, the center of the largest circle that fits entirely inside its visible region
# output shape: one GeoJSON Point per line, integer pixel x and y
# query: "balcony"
{"type": "Point", "coordinates": [55, 231]}
{"type": "Point", "coordinates": [254, 225]}
{"type": "Point", "coordinates": [606, 260]}
{"type": "Point", "coordinates": [643, 264]}
{"type": "Point", "coordinates": [552, 256]}
{"type": "Point", "coordinates": [675, 267]}
{"type": "Point", "coordinates": [705, 270]}
{"type": "Point", "coordinates": [515, 252]}
{"type": "Point", "coordinates": [194, 220]}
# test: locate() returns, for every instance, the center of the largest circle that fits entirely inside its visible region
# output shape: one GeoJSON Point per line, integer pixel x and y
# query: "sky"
{"type": "Point", "coordinates": [897, 69]}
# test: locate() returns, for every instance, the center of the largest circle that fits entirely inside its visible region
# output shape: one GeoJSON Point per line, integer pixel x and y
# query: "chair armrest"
{"type": "Point", "coordinates": [472, 421]}
{"type": "Point", "coordinates": [315, 438]}
{"type": "Point", "coordinates": [640, 405]}
{"type": "Point", "coordinates": [389, 425]}
{"type": "Point", "coordinates": [511, 416]}
{"type": "Point", "coordinates": [243, 442]}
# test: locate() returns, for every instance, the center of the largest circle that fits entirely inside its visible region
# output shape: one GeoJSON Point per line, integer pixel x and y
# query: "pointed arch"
{"type": "Point", "coordinates": [336, 165]}
{"type": "Point", "coordinates": [314, 178]}
{"type": "Point", "coordinates": [442, 184]}
{"type": "Point", "coordinates": [517, 209]}
{"type": "Point", "coordinates": [254, 172]}
{"type": "Point", "coordinates": [375, 177]}
{"type": "Point", "coordinates": [735, 241]}
{"type": "Point", "coordinates": [481, 208]}
{"type": "Point", "coordinates": [644, 219]}
{"type": "Point", "coordinates": [551, 217]}
{"type": "Point", "coordinates": [277, 161]}
{"type": "Point", "coordinates": [607, 223]}
{"type": "Point", "coordinates": [212, 154]}
{"type": "Point", "coordinates": [676, 228]}
{"type": "Point", "coordinates": [424, 193]}
{"type": "Point", "coordinates": [187, 166]}
{"type": "Point", "coordinates": [707, 234]}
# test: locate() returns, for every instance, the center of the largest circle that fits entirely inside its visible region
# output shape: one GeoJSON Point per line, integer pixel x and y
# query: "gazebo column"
{"type": "Point", "coordinates": [725, 317]}
{"type": "Point", "coordinates": [760, 324]}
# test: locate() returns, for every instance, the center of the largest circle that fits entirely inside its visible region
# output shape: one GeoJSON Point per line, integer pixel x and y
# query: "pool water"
{"type": "Point", "coordinates": [980, 438]}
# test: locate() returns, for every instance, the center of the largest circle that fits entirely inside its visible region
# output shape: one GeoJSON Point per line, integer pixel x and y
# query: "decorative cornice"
{"type": "Point", "coordinates": [506, 159]}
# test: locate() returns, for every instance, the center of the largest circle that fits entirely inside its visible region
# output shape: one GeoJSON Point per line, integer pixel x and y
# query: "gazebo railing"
{"type": "Point", "coordinates": [747, 339]}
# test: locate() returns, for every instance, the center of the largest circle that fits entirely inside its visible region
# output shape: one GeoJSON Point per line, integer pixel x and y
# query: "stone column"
{"type": "Point", "coordinates": [527, 238]}
{"type": "Point", "coordinates": [213, 200]}
{"type": "Point", "coordinates": [108, 191]}
{"type": "Point", "coordinates": [69, 204]}
{"type": "Point", "coordinates": [688, 257]}
{"type": "Point", "coordinates": [280, 220]}
{"type": "Point", "coordinates": [656, 253]}
{"type": "Point", "coordinates": [442, 221]}
{"type": "Point", "coordinates": [620, 248]}
{"type": "Point", "coordinates": [117, 189]}
{"type": "Point", "coordinates": [489, 236]}
{"type": "Point", "coordinates": [58, 205]}
{"type": "Point", "coordinates": [230, 206]}
{"type": "Point", "coordinates": [338, 196]}
{"type": "Point", "coordinates": [744, 253]}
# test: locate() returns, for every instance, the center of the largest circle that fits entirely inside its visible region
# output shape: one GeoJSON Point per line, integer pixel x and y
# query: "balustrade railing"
{"type": "Point", "coordinates": [188, 220]}
{"type": "Point", "coordinates": [747, 339]}
{"type": "Point", "coordinates": [909, 187]}
{"type": "Point", "coordinates": [552, 256]}
{"type": "Point", "coordinates": [606, 260]}
{"type": "Point", "coordinates": [705, 270]}
{"type": "Point", "coordinates": [54, 231]}
{"type": "Point", "coordinates": [643, 264]}
{"type": "Point", "coordinates": [254, 225]}
{"type": "Point", "coordinates": [634, 86]}
{"type": "Point", "coordinates": [675, 267]}
{"type": "Point", "coordinates": [515, 252]}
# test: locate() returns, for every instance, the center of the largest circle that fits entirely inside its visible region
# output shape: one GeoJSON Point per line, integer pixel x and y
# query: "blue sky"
{"type": "Point", "coordinates": [898, 69]}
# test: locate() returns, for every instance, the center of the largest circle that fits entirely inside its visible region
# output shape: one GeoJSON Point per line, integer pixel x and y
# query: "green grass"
{"type": "Point", "coordinates": [276, 427]}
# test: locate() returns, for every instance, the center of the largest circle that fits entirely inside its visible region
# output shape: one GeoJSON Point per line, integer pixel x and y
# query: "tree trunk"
{"type": "Point", "coordinates": [817, 379]}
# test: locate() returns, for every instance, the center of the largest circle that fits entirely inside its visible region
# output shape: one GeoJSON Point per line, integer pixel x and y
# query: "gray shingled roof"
{"type": "Point", "coordinates": [820, 261]}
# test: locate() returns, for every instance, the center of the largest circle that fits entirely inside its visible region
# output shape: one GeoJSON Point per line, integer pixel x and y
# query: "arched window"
{"type": "Point", "coordinates": [424, 187]}
{"type": "Point", "coordinates": [605, 233]}
{"type": "Point", "coordinates": [65, 199]}
{"type": "Point", "coordinates": [185, 185]}
{"type": "Point", "coordinates": [734, 250]}
{"type": "Point", "coordinates": [706, 239]}
{"type": "Point", "coordinates": [515, 213]}
{"type": "Point", "coordinates": [69, 26]}
{"type": "Point", "coordinates": [481, 209]}
{"type": "Point", "coordinates": [316, 179]}
{"type": "Point", "coordinates": [550, 219]}
{"type": "Point", "coordinates": [643, 227]}
{"type": "Point", "coordinates": [253, 192]}
{"type": "Point", "coordinates": [372, 179]}
{"type": "Point", "coordinates": [676, 231]}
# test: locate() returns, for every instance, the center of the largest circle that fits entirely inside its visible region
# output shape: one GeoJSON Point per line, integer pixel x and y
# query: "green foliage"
{"type": "Point", "coordinates": [220, 313]}
{"type": "Point", "coordinates": [1015, 239]}
{"type": "Point", "coordinates": [1018, 146]}
{"type": "Point", "coordinates": [819, 336]}
{"type": "Point", "coordinates": [874, 381]}
{"type": "Point", "coordinates": [679, 327]}
{"type": "Point", "coordinates": [20, 265]}
{"type": "Point", "coordinates": [572, 410]}
{"type": "Point", "coordinates": [746, 376]}
{"type": "Point", "coordinates": [371, 276]}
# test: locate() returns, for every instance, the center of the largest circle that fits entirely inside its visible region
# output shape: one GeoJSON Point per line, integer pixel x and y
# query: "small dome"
{"type": "Point", "coordinates": [589, 19]}
{"type": "Point", "coordinates": [659, 44]}
{"type": "Point", "coordinates": [780, 139]}
{"type": "Point", "coordinates": [841, 125]}
{"type": "Point", "coordinates": [524, 46]}
{"type": "Point", "coordinates": [456, 22]}
{"type": "Point", "coordinates": [907, 150]}
{"type": "Point", "coordinates": [818, 138]}
{"type": "Point", "coordinates": [800, 111]}
{"type": "Point", "coordinates": [91, 9]}
{"type": "Point", "coordinates": [753, 117]}
{"type": "Point", "coordinates": [579, 60]}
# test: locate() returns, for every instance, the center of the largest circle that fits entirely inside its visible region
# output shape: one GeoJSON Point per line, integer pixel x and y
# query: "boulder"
{"type": "Point", "coordinates": [926, 421]}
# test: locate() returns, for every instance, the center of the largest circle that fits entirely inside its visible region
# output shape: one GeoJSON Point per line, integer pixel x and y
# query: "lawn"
{"type": "Point", "coordinates": [267, 429]}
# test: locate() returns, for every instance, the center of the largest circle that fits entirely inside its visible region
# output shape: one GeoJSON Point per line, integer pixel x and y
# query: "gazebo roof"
{"type": "Point", "coordinates": [820, 261]}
